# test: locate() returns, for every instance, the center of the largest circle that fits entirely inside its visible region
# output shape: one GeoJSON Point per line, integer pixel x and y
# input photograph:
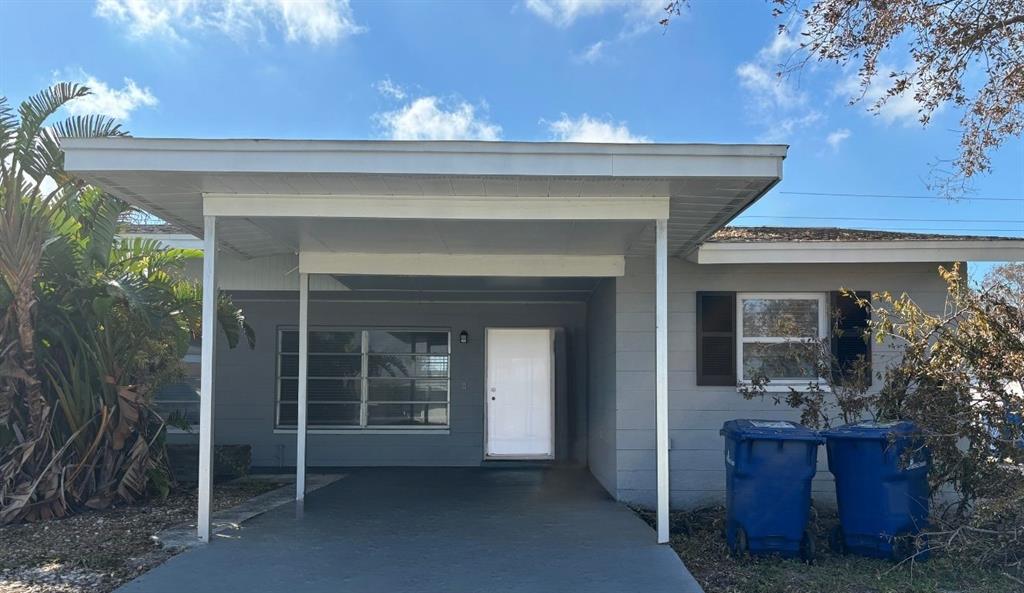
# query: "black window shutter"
{"type": "Point", "coordinates": [850, 337]}
{"type": "Point", "coordinates": [716, 338]}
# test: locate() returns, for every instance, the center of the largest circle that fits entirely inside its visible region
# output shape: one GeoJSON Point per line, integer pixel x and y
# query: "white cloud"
{"type": "Point", "coordinates": [761, 75]}
{"type": "Point", "coordinates": [389, 89]}
{"type": "Point", "coordinates": [900, 109]}
{"type": "Point", "coordinates": [783, 45]}
{"type": "Point", "coordinates": [775, 102]}
{"type": "Point", "coordinates": [642, 14]}
{"type": "Point", "coordinates": [593, 52]}
{"type": "Point", "coordinates": [144, 18]}
{"type": "Point", "coordinates": [589, 129]}
{"type": "Point", "coordinates": [105, 100]}
{"type": "Point", "coordinates": [767, 87]}
{"type": "Point", "coordinates": [431, 118]}
{"type": "Point", "coordinates": [311, 21]}
{"type": "Point", "coordinates": [837, 137]}
{"type": "Point", "coordinates": [782, 129]}
{"type": "Point", "coordinates": [639, 16]}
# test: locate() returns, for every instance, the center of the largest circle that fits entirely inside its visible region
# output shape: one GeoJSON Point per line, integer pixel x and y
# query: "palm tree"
{"type": "Point", "coordinates": [30, 155]}
{"type": "Point", "coordinates": [90, 325]}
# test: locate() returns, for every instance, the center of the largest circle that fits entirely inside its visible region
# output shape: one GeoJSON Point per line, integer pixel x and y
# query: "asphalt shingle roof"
{"type": "Point", "coordinates": [773, 234]}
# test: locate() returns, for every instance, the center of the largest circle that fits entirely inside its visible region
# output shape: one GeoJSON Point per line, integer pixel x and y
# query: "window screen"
{"type": "Point", "coordinates": [366, 378]}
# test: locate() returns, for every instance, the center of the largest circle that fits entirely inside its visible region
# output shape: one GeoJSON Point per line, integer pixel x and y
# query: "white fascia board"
{"type": "Point", "coordinates": [172, 240]}
{"type": "Point", "coordinates": [436, 207]}
{"type": "Point", "coordinates": [424, 158]}
{"type": "Point", "coordinates": [446, 264]}
{"type": "Point", "coordinates": [829, 252]}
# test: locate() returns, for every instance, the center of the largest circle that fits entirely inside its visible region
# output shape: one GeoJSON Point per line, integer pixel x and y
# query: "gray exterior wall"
{"type": "Point", "coordinates": [245, 381]}
{"type": "Point", "coordinates": [696, 413]}
{"type": "Point", "coordinates": [601, 405]}
{"type": "Point", "coordinates": [605, 399]}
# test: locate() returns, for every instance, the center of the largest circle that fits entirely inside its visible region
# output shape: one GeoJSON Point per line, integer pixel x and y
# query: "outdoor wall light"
{"type": "Point", "coordinates": [463, 337]}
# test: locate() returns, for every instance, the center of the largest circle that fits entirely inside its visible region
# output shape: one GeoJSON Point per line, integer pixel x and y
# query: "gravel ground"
{"type": "Point", "coordinates": [698, 537]}
{"type": "Point", "coordinates": [96, 551]}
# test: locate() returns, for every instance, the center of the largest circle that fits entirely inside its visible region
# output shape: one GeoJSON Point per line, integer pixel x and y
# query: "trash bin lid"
{"type": "Point", "coordinates": [871, 429]}
{"type": "Point", "coordinates": [768, 430]}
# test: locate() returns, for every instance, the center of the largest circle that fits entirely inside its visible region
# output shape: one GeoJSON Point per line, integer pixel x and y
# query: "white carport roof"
{"type": "Point", "coordinates": [432, 209]}
{"type": "Point", "coordinates": [450, 197]}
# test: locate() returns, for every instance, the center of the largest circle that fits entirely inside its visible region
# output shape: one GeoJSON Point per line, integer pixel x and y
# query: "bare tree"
{"type": "Point", "coordinates": [1007, 280]}
{"type": "Point", "coordinates": [969, 53]}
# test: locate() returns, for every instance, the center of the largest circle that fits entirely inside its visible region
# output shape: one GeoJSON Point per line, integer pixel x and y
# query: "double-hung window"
{"type": "Point", "coordinates": [780, 336]}
{"type": "Point", "coordinates": [366, 378]}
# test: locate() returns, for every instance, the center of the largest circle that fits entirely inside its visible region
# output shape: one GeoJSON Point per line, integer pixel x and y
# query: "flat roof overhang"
{"type": "Point", "coordinates": [440, 197]}
{"type": "Point", "coordinates": [838, 252]}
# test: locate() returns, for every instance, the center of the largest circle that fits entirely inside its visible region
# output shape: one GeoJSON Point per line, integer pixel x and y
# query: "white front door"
{"type": "Point", "coordinates": [520, 411]}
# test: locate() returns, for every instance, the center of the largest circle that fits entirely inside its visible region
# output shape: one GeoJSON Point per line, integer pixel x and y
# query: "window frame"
{"type": "Point", "coordinates": [363, 427]}
{"type": "Point", "coordinates": [741, 339]}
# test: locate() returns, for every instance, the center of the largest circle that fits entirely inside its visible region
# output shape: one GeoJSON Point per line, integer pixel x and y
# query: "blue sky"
{"type": "Point", "coordinates": [517, 70]}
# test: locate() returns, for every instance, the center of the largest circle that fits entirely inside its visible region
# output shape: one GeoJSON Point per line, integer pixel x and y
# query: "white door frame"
{"type": "Point", "coordinates": [487, 383]}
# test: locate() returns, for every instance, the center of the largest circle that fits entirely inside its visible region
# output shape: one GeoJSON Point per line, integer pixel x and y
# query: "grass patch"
{"type": "Point", "coordinates": [698, 537]}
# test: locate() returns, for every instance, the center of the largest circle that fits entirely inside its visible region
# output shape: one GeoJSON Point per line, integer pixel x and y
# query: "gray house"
{"type": "Point", "coordinates": [469, 303]}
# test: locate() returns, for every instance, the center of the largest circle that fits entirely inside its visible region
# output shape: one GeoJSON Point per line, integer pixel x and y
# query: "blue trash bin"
{"type": "Point", "coordinates": [882, 497]}
{"type": "Point", "coordinates": [769, 466]}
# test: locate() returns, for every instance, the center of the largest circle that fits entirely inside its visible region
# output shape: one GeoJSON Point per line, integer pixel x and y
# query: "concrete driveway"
{"type": "Point", "coordinates": [447, 530]}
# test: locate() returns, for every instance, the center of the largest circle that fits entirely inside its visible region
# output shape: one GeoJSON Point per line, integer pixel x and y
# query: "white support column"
{"type": "Point", "coordinates": [300, 428]}
{"type": "Point", "coordinates": [661, 375]}
{"type": "Point", "coordinates": [208, 370]}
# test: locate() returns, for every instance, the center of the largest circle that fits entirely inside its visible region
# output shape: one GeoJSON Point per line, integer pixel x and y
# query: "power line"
{"type": "Point", "coordinates": [895, 196]}
{"type": "Point", "coordinates": [870, 218]}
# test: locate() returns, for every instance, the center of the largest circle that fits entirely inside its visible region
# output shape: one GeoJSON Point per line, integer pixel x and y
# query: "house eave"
{"type": "Point", "coordinates": [833, 252]}
{"type": "Point", "coordinates": [601, 198]}
{"type": "Point", "coordinates": [413, 157]}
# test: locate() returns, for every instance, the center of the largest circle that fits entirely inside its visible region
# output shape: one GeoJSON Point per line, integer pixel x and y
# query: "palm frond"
{"type": "Point", "coordinates": [102, 227]}
{"type": "Point", "coordinates": [139, 255]}
{"type": "Point", "coordinates": [35, 110]}
{"type": "Point", "coordinates": [50, 155]}
{"type": "Point", "coordinates": [8, 132]}
{"type": "Point", "coordinates": [232, 322]}
{"type": "Point", "coordinates": [88, 126]}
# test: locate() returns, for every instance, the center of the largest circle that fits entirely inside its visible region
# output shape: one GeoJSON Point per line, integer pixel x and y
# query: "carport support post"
{"type": "Point", "coordinates": [207, 370]}
{"type": "Point", "coordinates": [661, 375]}
{"type": "Point", "coordinates": [300, 423]}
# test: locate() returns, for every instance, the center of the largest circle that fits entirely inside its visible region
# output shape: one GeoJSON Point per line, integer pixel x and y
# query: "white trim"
{"type": "Point", "coordinates": [424, 158]}
{"type": "Point", "coordinates": [301, 405]}
{"type": "Point", "coordinates": [421, 207]}
{"type": "Point", "coordinates": [812, 252]}
{"type": "Point", "coordinates": [823, 332]}
{"type": "Point", "coordinates": [206, 381]}
{"type": "Point", "coordinates": [171, 240]}
{"type": "Point", "coordinates": [451, 264]}
{"type": "Point", "coordinates": [661, 376]}
{"type": "Point", "coordinates": [364, 376]}
{"type": "Point", "coordinates": [380, 430]}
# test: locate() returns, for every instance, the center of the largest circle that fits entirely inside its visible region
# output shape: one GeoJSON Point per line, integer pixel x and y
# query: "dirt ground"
{"type": "Point", "coordinates": [698, 537]}
{"type": "Point", "coordinates": [96, 551]}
